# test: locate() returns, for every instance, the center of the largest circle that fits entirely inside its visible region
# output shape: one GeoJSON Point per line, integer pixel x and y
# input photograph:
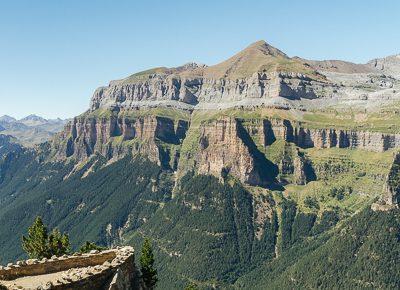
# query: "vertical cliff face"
{"type": "Point", "coordinates": [392, 186]}
{"type": "Point", "coordinates": [329, 137]}
{"type": "Point", "coordinates": [227, 145]}
{"type": "Point", "coordinates": [391, 191]}
{"type": "Point", "coordinates": [117, 136]}
{"type": "Point", "coordinates": [227, 148]}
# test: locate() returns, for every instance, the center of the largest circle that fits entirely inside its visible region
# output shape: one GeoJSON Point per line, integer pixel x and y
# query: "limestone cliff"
{"type": "Point", "coordinates": [226, 145]}
{"type": "Point", "coordinates": [251, 77]}
{"type": "Point", "coordinates": [392, 186]}
{"type": "Point", "coordinates": [118, 135]}
{"type": "Point", "coordinates": [391, 191]}
{"type": "Point", "coordinates": [226, 148]}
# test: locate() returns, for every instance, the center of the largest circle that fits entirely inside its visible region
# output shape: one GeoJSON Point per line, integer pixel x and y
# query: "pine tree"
{"type": "Point", "coordinates": [35, 244]}
{"type": "Point", "coordinates": [58, 243]}
{"type": "Point", "coordinates": [149, 273]}
{"type": "Point", "coordinates": [39, 244]}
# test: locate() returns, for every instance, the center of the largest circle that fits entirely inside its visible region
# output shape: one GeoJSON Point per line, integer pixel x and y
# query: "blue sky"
{"type": "Point", "coordinates": [53, 54]}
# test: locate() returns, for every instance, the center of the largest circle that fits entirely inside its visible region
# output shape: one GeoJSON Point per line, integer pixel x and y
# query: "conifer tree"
{"type": "Point", "coordinates": [58, 243]}
{"type": "Point", "coordinates": [149, 273]}
{"type": "Point", "coordinates": [35, 244]}
{"type": "Point", "coordinates": [39, 244]}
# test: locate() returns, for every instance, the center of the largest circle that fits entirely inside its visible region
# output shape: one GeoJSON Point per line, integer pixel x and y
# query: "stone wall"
{"type": "Point", "coordinates": [110, 269]}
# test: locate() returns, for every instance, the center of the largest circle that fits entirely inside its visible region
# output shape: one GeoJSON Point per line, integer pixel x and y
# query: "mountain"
{"type": "Point", "coordinates": [30, 130]}
{"type": "Point", "coordinates": [260, 172]}
{"type": "Point", "coordinates": [33, 120]}
{"type": "Point", "coordinates": [389, 65]}
{"type": "Point", "coordinates": [8, 144]}
{"type": "Point", "coordinates": [7, 119]}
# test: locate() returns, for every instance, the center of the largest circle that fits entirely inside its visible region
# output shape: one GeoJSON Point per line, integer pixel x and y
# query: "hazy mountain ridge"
{"type": "Point", "coordinates": [32, 129]}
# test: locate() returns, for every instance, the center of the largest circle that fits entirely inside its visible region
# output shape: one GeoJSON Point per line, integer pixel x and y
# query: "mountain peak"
{"type": "Point", "coordinates": [257, 57]}
{"type": "Point", "coordinates": [33, 117]}
{"type": "Point", "coordinates": [7, 119]}
{"type": "Point", "coordinates": [264, 47]}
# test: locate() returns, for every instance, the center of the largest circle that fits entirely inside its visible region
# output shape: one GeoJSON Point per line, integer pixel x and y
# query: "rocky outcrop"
{"type": "Point", "coordinates": [303, 171]}
{"type": "Point", "coordinates": [392, 186]}
{"type": "Point", "coordinates": [391, 191]}
{"type": "Point", "coordinates": [111, 269]}
{"type": "Point", "coordinates": [7, 145]}
{"type": "Point", "coordinates": [190, 92]}
{"type": "Point", "coordinates": [225, 147]}
{"type": "Point", "coordinates": [117, 135]}
{"type": "Point", "coordinates": [389, 65]}
{"type": "Point", "coordinates": [304, 137]}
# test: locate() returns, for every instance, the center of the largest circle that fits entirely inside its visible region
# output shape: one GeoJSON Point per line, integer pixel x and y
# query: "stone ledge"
{"type": "Point", "coordinates": [110, 269]}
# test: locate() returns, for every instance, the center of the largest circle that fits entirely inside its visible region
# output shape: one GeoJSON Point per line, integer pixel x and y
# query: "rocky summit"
{"type": "Point", "coordinates": [264, 171]}
{"type": "Point", "coordinates": [260, 75]}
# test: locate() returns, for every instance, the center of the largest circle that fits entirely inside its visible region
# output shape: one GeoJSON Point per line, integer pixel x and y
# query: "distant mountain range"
{"type": "Point", "coordinates": [30, 130]}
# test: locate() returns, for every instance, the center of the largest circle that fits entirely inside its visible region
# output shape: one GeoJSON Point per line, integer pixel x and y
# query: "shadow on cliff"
{"type": "Point", "coordinates": [266, 169]}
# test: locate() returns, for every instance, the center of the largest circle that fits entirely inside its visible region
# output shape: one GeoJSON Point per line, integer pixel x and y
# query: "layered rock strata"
{"type": "Point", "coordinates": [117, 136]}
{"type": "Point", "coordinates": [227, 148]}
{"type": "Point", "coordinates": [226, 145]}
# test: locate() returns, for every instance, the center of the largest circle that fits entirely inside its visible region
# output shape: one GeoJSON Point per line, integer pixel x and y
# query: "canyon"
{"type": "Point", "coordinates": [247, 167]}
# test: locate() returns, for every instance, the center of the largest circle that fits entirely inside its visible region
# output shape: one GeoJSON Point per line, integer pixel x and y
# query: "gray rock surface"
{"type": "Point", "coordinates": [260, 75]}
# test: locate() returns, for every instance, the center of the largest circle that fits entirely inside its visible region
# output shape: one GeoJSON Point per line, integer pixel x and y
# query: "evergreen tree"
{"type": "Point", "coordinates": [39, 244]}
{"type": "Point", "coordinates": [149, 273]}
{"type": "Point", "coordinates": [58, 243]}
{"type": "Point", "coordinates": [89, 246]}
{"type": "Point", "coordinates": [35, 244]}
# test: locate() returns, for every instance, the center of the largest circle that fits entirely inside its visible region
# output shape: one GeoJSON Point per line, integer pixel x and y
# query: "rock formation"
{"type": "Point", "coordinates": [252, 76]}
{"type": "Point", "coordinates": [392, 186]}
{"type": "Point", "coordinates": [389, 65]}
{"type": "Point", "coordinates": [124, 117]}
{"type": "Point", "coordinates": [87, 135]}
{"type": "Point", "coordinates": [391, 192]}
{"type": "Point", "coordinates": [226, 145]}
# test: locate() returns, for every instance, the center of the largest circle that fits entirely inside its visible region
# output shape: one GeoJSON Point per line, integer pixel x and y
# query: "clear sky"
{"type": "Point", "coordinates": [53, 54]}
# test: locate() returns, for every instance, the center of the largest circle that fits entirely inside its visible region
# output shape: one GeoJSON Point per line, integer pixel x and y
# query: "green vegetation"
{"type": "Point", "coordinates": [140, 76]}
{"type": "Point", "coordinates": [89, 246]}
{"type": "Point", "coordinates": [94, 208]}
{"type": "Point", "coordinates": [39, 244]}
{"type": "Point", "coordinates": [362, 253]}
{"type": "Point", "coordinates": [149, 273]}
{"type": "Point", "coordinates": [191, 286]}
{"type": "Point", "coordinates": [172, 113]}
